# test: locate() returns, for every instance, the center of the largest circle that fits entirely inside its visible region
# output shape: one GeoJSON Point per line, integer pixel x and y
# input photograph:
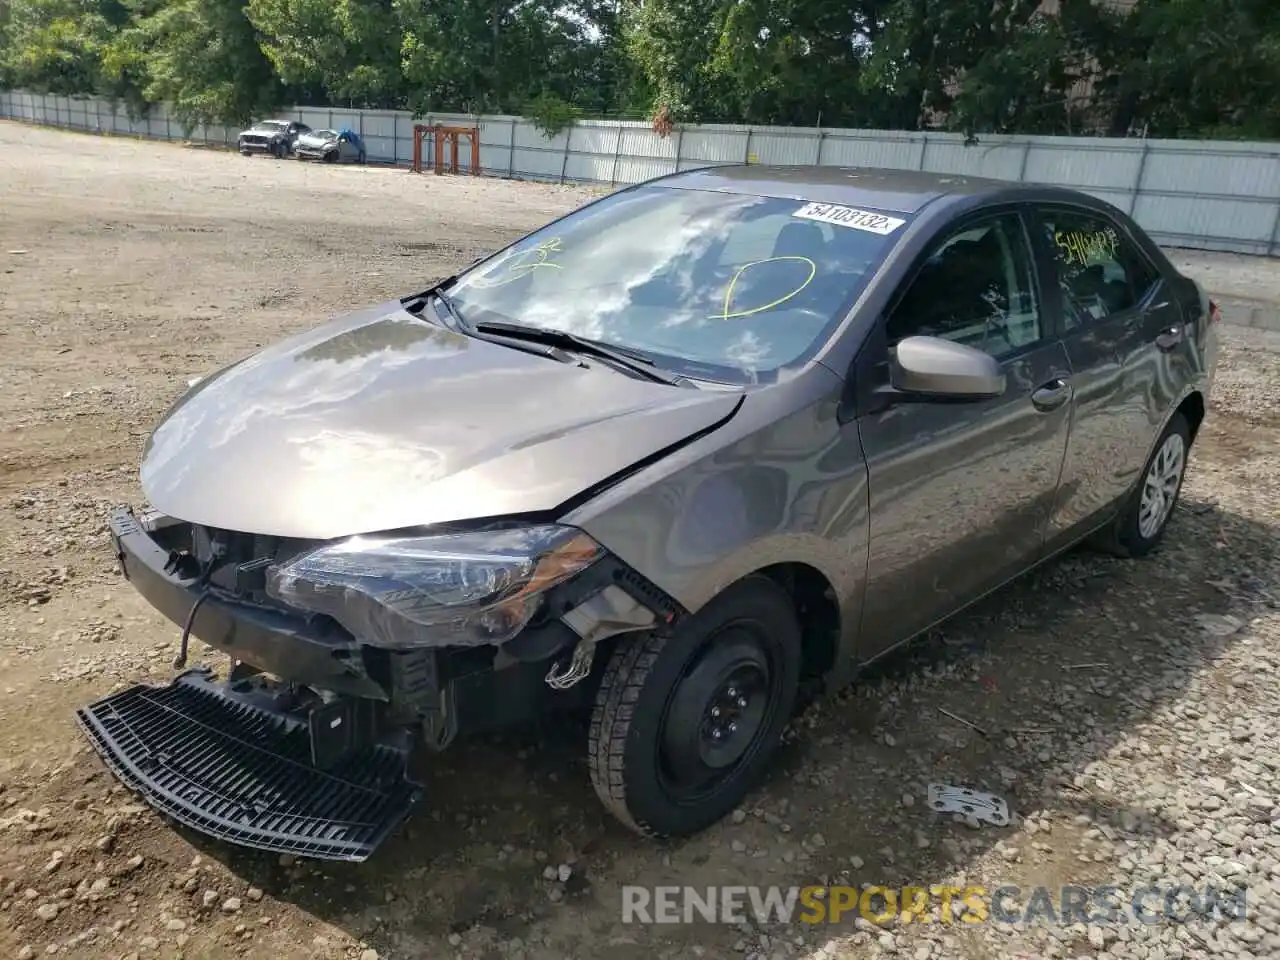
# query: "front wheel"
{"type": "Point", "coordinates": [1142, 522]}
{"type": "Point", "coordinates": [685, 725]}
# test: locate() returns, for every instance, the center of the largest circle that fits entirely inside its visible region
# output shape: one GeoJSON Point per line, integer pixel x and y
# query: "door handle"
{"type": "Point", "coordinates": [1052, 395]}
{"type": "Point", "coordinates": [1169, 338]}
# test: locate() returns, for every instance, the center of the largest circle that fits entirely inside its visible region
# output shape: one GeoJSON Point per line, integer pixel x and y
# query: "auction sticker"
{"type": "Point", "coordinates": [849, 217]}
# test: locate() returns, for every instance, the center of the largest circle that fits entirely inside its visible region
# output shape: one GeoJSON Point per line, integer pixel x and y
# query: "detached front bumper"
{"type": "Point", "coordinates": [315, 762]}
{"type": "Point", "coordinates": [252, 761]}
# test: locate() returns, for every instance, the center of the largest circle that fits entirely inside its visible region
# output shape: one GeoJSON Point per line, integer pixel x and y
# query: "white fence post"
{"type": "Point", "coordinates": [1142, 172]}
{"type": "Point", "coordinates": [511, 150]}
{"type": "Point", "coordinates": [617, 152]}
{"type": "Point", "coordinates": [1026, 155]}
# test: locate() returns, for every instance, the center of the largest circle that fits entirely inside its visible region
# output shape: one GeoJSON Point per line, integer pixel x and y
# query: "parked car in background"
{"type": "Point", "coordinates": [682, 458]}
{"type": "Point", "coordinates": [330, 146]}
{"type": "Point", "coordinates": [275, 137]}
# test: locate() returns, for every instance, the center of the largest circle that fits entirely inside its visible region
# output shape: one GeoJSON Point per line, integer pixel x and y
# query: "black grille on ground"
{"type": "Point", "coordinates": [242, 774]}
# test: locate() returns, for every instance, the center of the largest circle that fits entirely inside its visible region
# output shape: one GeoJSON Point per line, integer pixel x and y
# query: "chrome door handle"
{"type": "Point", "coordinates": [1052, 395]}
{"type": "Point", "coordinates": [1169, 338]}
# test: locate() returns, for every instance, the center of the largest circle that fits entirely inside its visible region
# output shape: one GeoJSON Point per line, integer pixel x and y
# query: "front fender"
{"type": "Point", "coordinates": [757, 492]}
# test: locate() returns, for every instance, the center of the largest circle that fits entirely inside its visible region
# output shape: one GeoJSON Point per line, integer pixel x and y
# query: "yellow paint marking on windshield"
{"type": "Point", "coordinates": [517, 266]}
{"type": "Point", "coordinates": [728, 293]}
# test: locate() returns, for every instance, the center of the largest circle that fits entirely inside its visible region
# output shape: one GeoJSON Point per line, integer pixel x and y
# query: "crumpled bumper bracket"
{"type": "Point", "coordinates": [241, 773]}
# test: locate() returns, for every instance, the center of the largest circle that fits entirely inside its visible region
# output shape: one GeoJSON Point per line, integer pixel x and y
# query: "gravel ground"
{"type": "Point", "coordinates": [1129, 710]}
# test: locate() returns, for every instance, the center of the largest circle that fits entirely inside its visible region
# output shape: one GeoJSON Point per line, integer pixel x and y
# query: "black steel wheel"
{"type": "Point", "coordinates": [685, 725]}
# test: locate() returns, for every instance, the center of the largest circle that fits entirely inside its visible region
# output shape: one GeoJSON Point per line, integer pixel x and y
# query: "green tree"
{"type": "Point", "coordinates": [205, 60]}
{"type": "Point", "coordinates": [54, 46]}
{"type": "Point", "coordinates": [487, 56]}
{"type": "Point", "coordinates": [1185, 68]}
{"type": "Point", "coordinates": [348, 51]}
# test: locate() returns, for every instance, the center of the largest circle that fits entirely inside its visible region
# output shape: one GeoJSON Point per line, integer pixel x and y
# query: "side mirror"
{"type": "Point", "coordinates": [931, 367]}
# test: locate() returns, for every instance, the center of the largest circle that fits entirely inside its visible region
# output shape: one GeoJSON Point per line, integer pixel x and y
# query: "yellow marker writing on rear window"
{"type": "Point", "coordinates": [725, 314]}
{"type": "Point", "coordinates": [1082, 248]}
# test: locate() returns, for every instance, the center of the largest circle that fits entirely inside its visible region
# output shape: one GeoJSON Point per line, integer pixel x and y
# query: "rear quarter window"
{"type": "Point", "coordinates": [1101, 272]}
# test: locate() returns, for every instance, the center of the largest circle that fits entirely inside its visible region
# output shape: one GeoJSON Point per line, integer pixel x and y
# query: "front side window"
{"type": "Point", "coordinates": [1100, 272]}
{"type": "Point", "coordinates": [715, 285]}
{"type": "Point", "coordinates": [976, 288]}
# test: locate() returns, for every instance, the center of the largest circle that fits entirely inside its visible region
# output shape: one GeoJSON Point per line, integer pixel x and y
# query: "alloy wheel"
{"type": "Point", "coordinates": [1160, 486]}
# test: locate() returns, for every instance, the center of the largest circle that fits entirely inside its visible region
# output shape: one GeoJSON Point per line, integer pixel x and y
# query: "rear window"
{"type": "Point", "coordinates": [714, 285]}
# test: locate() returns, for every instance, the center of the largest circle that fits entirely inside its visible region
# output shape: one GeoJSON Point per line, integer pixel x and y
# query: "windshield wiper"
{"type": "Point", "coordinates": [450, 307]}
{"type": "Point", "coordinates": [631, 360]}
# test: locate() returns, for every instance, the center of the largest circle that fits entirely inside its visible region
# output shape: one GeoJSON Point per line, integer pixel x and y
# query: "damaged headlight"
{"type": "Point", "coordinates": [455, 589]}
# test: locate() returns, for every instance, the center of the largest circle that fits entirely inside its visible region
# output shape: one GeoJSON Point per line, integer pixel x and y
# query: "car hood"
{"type": "Point", "coordinates": [379, 421]}
{"type": "Point", "coordinates": [315, 140]}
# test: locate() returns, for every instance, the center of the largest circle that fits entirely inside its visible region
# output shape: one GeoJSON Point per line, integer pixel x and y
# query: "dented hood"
{"type": "Point", "coordinates": [380, 421]}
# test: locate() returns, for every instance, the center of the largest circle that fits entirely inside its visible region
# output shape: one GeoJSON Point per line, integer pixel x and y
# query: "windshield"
{"type": "Point", "coordinates": [271, 125]}
{"type": "Point", "coordinates": [714, 285]}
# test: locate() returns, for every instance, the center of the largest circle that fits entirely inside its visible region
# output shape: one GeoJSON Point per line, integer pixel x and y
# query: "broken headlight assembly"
{"type": "Point", "coordinates": [450, 589]}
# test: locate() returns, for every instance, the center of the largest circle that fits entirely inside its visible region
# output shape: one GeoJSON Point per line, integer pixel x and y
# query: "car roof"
{"type": "Point", "coordinates": [902, 191]}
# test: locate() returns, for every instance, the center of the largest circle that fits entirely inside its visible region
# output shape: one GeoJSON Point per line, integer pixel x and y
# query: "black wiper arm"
{"type": "Point", "coordinates": [630, 359]}
{"type": "Point", "coordinates": [450, 307]}
{"type": "Point", "coordinates": [562, 337]}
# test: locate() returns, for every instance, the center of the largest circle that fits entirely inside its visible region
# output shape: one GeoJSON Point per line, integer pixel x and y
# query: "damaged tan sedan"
{"type": "Point", "coordinates": [678, 460]}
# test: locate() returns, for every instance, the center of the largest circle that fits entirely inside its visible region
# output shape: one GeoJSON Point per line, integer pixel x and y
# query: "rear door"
{"type": "Point", "coordinates": [960, 493]}
{"type": "Point", "coordinates": [1126, 341]}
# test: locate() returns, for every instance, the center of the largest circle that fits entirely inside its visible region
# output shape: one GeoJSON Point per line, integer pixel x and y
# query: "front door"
{"type": "Point", "coordinates": [960, 493]}
{"type": "Point", "coordinates": [1123, 333]}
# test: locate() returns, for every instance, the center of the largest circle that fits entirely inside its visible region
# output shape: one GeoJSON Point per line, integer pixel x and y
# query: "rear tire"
{"type": "Point", "coordinates": [331, 157]}
{"type": "Point", "coordinates": [684, 726]}
{"type": "Point", "coordinates": [1145, 516]}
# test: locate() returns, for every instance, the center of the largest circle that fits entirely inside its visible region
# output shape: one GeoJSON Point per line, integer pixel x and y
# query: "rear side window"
{"type": "Point", "coordinates": [1100, 271]}
{"type": "Point", "coordinates": [977, 288]}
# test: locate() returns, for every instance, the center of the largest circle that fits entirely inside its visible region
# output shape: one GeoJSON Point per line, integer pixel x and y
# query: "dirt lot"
{"type": "Point", "coordinates": [1130, 708]}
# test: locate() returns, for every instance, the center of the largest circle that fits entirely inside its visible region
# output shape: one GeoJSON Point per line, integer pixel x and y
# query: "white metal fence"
{"type": "Point", "coordinates": [1208, 195]}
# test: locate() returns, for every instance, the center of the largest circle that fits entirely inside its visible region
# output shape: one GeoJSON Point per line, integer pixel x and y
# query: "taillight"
{"type": "Point", "coordinates": [1215, 315]}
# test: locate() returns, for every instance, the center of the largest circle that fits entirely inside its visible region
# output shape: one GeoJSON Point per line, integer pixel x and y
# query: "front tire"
{"type": "Point", "coordinates": [1142, 522]}
{"type": "Point", "coordinates": [685, 725]}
